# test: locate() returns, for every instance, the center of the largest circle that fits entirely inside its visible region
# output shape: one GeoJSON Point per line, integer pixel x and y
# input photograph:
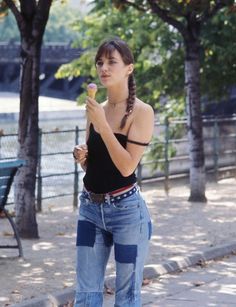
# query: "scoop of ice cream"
{"type": "Point", "coordinates": [92, 89]}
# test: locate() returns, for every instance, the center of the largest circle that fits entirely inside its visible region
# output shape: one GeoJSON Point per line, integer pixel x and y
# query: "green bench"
{"type": "Point", "coordinates": [8, 169]}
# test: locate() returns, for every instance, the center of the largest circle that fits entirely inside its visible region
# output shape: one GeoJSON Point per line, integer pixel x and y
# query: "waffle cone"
{"type": "Point", "coordinates": [92, 92]}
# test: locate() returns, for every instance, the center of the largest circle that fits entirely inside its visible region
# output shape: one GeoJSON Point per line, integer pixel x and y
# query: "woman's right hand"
{"type": "Point", "coordinates": [80, 154]}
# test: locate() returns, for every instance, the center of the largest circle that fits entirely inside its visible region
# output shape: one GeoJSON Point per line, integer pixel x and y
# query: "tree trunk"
{"type": "Point", "coordinates": [25, 179]}
{"type": "Point", "coordinates": [194, 121]}
{"type": "Point", "coordinates": [31, 17]}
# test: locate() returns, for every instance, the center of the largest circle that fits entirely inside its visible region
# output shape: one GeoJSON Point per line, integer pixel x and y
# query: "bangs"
{"type": "Point", "coordinates": [105, 50]}
{"type": "Point", "coordinates": [108, 48]}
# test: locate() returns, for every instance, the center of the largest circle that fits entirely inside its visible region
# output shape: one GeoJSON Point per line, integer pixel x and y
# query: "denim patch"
{"type": "Point", "coordinates": [149, 230]}
{"type": "Point", "coordinates": [86, 233]}
{"type": "Point", "coordinates": [125, 253]}
{"type": "Point", "coordinates": [107, 237]}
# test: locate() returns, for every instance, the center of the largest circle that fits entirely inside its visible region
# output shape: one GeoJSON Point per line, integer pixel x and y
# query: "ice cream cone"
{"type": "Point", "coordinates": [92, 89]}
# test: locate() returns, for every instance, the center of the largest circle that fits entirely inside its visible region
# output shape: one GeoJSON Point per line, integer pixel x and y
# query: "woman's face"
{"type": "Point", "coordinates": [112, 70]}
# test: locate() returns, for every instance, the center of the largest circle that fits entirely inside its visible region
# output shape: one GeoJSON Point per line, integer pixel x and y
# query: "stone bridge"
{"type": "Point", "coordinates": [53, 55]}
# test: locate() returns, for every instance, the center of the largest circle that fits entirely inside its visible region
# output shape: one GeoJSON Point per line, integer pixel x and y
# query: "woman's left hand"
{"type": "Point", "coordinates": [96, 113]}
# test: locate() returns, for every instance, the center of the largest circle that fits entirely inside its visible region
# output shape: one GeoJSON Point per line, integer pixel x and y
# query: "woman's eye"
{"type": "Point", "coordinates": [112, 62]}
{"type": "Point", "coordinates": [99, 63]}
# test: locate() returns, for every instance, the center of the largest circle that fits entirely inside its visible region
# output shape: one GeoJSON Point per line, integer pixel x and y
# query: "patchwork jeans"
{"type": "Point", "coordinates": [126, 225]}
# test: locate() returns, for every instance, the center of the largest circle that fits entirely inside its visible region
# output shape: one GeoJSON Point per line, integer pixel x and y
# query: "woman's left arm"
{"type": "Point", "coordinates": [141, 130]}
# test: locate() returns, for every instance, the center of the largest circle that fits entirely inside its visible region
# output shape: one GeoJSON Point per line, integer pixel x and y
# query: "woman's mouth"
{"type": "Point", "coordinates": [105, 76]}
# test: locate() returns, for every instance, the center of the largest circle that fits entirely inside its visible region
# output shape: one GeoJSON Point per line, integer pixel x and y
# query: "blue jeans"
{"type": "Point", "coordinates": [127, 225]}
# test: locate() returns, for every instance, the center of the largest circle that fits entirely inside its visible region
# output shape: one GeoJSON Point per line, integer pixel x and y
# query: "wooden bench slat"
{"type": "Point", "coordinates": [8, 169]}
{"type": "Point", "coordinates": [3, 189]}
{"type": "Point", "coordinates": [6, 172]}
{"type": "Point", "coordinates": [11, 163]}
{"type": "Point", "coordinates": [3, 181]}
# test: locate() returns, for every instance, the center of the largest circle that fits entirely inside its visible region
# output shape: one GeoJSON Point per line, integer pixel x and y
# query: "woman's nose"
{"type": "Point", "coordinates": [104, 67]}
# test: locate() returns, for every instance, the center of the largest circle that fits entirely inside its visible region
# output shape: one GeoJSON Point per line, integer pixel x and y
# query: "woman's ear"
{"type": "Point", "coordinates": [130, 69]}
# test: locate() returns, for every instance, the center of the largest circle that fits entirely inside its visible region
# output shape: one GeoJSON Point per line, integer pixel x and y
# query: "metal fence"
{"type": "Point", "coordinates": [57, 174]}
{"type": "Point", "coordinates": [166, 157]}
{"type": "Point", "coordinates": [171, 144]}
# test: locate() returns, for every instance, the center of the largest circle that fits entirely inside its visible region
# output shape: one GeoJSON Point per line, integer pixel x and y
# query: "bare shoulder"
{"type": "Point", "coordinates": [141, 128]}
{"type": "Point", "coordinates": [143, 111]}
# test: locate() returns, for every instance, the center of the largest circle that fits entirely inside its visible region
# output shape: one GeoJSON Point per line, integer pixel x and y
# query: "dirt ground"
{"type": "Point", "coordinates": [180, 227]}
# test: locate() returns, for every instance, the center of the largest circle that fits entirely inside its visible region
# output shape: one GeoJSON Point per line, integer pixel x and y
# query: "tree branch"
{"type": "Point", "coordinates": [194, 25]}
{"type": "Point", "coordinates": [211, 12]}
{"type": "Point", "coordinates": [19, 19]}
{"type": "Point", "coordinates": [28, 9]}
{"type": "Point", "coordinates": [177, 7]}
{"type": "Point", "coordinates": [133, 4]}
{"type": "Point", "coordinates": [165, 16]}
{"type": "Point", "coordinates": [44, 7]}
{"type": "Point", "coordinates": [41, 17]}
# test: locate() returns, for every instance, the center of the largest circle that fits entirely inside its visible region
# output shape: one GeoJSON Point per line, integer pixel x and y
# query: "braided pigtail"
{"type": "Point", "coordinates": [130, 100]}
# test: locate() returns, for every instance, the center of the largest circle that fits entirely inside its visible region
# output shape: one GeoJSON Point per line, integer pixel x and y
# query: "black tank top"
{"type": "Point", "coordinates": [102, 176]}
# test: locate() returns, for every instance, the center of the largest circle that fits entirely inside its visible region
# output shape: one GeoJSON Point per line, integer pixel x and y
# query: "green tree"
{"type": "Point", "coordinates": [188, 17]}
{"type": "Point", "coordinates": [149, 42]}
{"type": "Point", "coordinates": [218, 69]}
{"type": "Point", "coordinates": [164, 62]}
{"type": "Point", "coordinates": [8, 28]}
{"type": "Point", "coordinates": [58, 26]}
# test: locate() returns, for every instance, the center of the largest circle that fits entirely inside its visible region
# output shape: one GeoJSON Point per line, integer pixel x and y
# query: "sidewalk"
{"type": "Point", "coordinates": [213, 284]}
{"type": "Point", "coordinates": [184, 233]}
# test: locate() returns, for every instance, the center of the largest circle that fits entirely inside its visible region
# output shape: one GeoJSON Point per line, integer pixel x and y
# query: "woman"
{"type": "Point", "coordinates": [112, 212]}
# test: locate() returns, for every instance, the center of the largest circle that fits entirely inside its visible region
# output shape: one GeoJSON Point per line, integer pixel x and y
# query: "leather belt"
{"type": "Point", "coordinates": [97, 198]}
{"type": "Point", "coordinates": [113, 196]}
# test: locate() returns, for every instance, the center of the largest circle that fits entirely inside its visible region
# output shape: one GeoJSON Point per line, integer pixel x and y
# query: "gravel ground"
{"type": "Point", "coordinates": [180, 227]}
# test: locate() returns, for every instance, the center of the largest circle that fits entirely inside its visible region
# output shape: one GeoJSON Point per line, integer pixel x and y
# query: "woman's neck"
{"type": "Point", "coordinates": [117, 96]}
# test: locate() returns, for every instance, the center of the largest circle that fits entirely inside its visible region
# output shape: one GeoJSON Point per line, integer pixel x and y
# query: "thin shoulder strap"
{"type": "Point", "coordinates": [137, 143]}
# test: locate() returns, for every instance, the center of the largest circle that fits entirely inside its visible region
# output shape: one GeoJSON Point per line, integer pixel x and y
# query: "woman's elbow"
{"type": "Point", "coordinates": [126, 172]}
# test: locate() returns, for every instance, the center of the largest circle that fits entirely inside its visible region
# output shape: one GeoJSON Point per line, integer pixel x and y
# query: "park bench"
{"type": "Point", "coordinates": [8, 169]}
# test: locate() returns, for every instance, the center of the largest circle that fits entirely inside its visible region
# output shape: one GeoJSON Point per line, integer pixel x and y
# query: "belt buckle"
{"type": "Point", "coordinates": [97, 198]}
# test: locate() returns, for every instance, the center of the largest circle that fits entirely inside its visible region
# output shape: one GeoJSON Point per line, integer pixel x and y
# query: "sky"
{"type": "Point", "coordinates": [82, 4]}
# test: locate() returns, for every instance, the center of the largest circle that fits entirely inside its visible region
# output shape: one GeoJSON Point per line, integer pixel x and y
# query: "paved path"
{"type": "Point", "coordinates": [213, 284]}
{"type": "Point", "coordinates": [184, 234]}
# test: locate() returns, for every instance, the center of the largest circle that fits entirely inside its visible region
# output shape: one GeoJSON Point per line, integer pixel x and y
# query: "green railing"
{"type": "Point", "coordinates": [67, 140]}
{"type": "Point", "coordinates": [58, 175]}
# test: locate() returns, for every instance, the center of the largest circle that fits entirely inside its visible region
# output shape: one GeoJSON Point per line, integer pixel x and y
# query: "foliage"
{"type": "Point", "coordinates": [163, 147]}
{"type": "Point", "coordinates": [59, 24]}
{"type": "Point", "coordinates": [154, 66]}
{"type": "Point", "coordinates": [159, 154]}
{"type": "Point", "coordinates": [3, 9]}
{"type": "Point", "coordinates": [58, 27]}
{"type": "Point", "coordinates": [158, 50]}
{"type": "Point", "coordinates": [218, 72]}
{"type": "Point", "coordinates": [8, 26]}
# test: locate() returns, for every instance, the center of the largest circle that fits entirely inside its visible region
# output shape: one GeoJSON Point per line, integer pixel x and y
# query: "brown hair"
{"type": "Point", "coordinates": [106, 49]}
